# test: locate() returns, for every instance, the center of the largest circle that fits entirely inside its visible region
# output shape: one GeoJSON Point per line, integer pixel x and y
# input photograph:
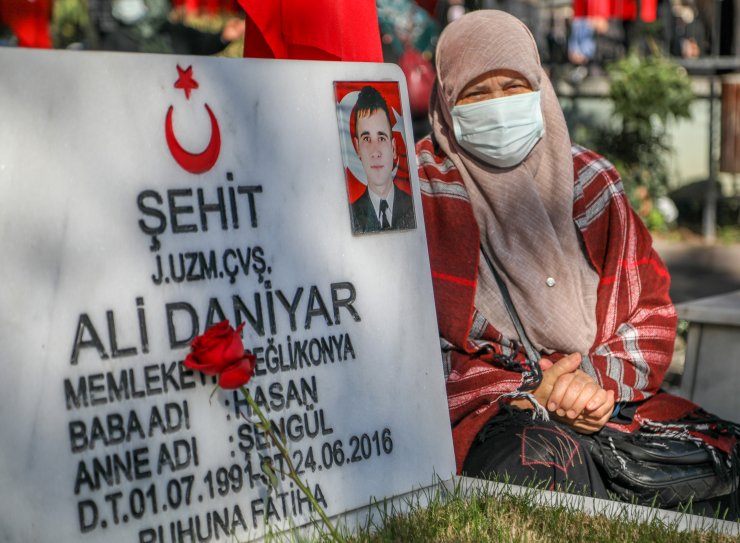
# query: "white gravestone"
{"type": "Point", "coordinates": [145, 198]}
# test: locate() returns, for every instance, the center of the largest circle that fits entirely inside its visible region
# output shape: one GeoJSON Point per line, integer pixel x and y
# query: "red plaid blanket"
{"type": "Point", "coordinates": [636, 321]}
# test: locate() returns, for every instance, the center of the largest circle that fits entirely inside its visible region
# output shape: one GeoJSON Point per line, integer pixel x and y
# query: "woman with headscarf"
{"type": "Point", "coordinates": [506, 194]}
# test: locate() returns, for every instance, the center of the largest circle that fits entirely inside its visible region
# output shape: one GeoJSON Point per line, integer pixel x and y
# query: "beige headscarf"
{"type": "Point", "coordinates": [525, 213]}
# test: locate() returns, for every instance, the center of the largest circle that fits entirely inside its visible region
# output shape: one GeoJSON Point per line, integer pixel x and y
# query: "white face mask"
{"type": "Point", "coordinates": [500, 131]}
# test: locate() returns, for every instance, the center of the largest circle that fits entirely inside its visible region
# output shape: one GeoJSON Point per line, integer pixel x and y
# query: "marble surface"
{"type": "Point", "coordinates": [102, 434]}
{"type": "Point", "coordinates": [711, 372]}
{"type": "Point", "coordinates": [719, 309]}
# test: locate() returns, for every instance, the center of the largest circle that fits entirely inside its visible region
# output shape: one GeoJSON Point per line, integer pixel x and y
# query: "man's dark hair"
{"type": "Point", "coordinates": [369, 101]}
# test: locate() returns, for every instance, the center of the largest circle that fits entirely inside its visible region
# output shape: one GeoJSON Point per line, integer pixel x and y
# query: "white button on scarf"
{"type": "Point", "coordinates": [550, 282]}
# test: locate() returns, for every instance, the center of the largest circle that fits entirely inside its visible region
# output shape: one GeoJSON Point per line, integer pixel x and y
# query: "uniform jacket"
{"type": "Point", "coordinates": [364, 218]}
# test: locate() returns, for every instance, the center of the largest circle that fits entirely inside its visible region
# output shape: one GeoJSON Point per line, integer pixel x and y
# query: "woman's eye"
{"type": "Point", "coordinates": [517, 87]}
{"type": "Point", "coordinates": [475, 96]}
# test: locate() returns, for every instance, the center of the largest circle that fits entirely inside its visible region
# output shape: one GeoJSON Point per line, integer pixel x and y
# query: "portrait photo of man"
{"type": "Point", "coordinates": [381, 204]}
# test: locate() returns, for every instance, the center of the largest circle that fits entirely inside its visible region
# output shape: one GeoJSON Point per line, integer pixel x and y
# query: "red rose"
{"type": "Point", "coordinates": [219, 351]}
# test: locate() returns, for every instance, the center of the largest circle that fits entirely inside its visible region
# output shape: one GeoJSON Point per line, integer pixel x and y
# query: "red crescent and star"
{"type": "Point", "coordinates": [192, 162]}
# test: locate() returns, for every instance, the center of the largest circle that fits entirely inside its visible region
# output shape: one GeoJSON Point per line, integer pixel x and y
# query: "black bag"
{"type": "Point", "coordinates": [649, 469]}
{"type": "Point", "coordinates": [645, 467]}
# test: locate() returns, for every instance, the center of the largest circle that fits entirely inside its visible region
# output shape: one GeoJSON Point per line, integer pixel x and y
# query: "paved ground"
{"type": "Point", "coordinates": [699, 270]}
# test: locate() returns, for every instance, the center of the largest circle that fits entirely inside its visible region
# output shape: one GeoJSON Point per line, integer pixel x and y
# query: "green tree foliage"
{"type": "Point", "coordinates": [69, 23]}
{"type": "Point", "coordinates": [648, 91]}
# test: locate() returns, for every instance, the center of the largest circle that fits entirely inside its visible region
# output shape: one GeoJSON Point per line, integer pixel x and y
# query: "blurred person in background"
{"type": "Point", "coordinates": [409, 35]}
{"type": "Point", "coordinates": [145, 26]}
{"type": "Point", "coordinates": [7, 38]}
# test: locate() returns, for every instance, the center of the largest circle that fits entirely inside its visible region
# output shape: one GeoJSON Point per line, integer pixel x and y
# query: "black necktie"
{"type": "Point", "coordinates": [383, 217]}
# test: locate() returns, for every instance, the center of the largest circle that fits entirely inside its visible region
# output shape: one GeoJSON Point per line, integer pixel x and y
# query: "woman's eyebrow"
{"type": "Point", "coordinates": [519, 80]}
{"type": "Point", "coordinates": [476, 88]}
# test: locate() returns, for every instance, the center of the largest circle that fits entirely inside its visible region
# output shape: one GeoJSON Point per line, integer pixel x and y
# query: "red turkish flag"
{"type": "Point", "coordinates": [345, 30]}
{"type": "Point", "coordinates": [627, 10]}
{"type": "Point", "coordinates": [213, 7]}
{"type": "Point", "coordinates": [592, 8]}
{"type": "Point", "coordinates": [29, 21]}
{"type": "Point", "coordinates": [616, 9]}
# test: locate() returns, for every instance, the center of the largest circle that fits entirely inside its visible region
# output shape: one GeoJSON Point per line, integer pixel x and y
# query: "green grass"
{"type": "Point", "coordinates": [500, 515]}
{"type": "Point", "coordinates": [482, 518]}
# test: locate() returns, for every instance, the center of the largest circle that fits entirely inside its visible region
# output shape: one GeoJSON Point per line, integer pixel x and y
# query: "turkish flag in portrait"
{"type": "Point", "coordinates": [345, 30]}
{"type": "Point", "coordinates": [390, 92]}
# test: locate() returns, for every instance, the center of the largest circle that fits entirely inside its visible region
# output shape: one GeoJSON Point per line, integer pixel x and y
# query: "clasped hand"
{"type": "Point", "coordinates": [571, 396]}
